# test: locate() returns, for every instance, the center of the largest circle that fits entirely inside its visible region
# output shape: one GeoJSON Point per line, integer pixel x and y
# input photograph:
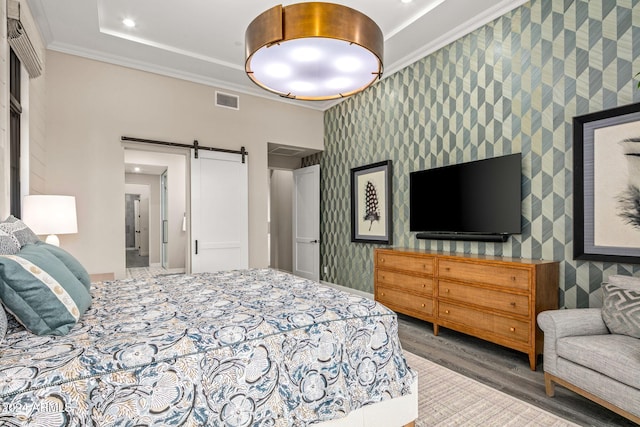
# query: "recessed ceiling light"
{"type": "Point", "coordinates": [129, 22]}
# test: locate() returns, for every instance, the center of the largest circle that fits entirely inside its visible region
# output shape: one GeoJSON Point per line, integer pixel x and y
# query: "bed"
{"type": "Point", "coordinates": [254, 347]}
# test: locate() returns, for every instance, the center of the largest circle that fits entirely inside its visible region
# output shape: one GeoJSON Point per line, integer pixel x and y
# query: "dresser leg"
{"type": "Point", "coordinates": [436, 329]}
{"type": "Point", "coordinates": [533, 358]}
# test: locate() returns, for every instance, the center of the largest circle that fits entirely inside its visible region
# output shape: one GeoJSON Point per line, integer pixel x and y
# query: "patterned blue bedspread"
{"type": "Point", "coordinates": [239, 348]}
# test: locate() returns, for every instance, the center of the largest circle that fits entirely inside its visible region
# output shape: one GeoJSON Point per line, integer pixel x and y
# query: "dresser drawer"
{"type": "Point", "coordinates": [404, 302]}
{"type": "Point", "coordinates": [510, 303]}
{"type": "Point", "coordinates": [404, 262]}
{"type": "Point", "coordinates": [498, 275]}
{"type": "Point", "coordinates": [405, 282]}
{"type": "Point", "coordinates": [487, 322]}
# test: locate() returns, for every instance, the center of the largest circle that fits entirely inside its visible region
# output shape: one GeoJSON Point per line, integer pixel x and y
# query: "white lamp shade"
{"type": "Point", "coordinates": [46, 214]}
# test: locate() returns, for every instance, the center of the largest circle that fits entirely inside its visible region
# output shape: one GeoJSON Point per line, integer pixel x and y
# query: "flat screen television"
{"type": "Point", "coordinates": [470, 199]}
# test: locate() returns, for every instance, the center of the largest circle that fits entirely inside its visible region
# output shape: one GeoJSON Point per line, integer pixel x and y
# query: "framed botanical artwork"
{"type": "Point", "coordinates": [606, 185]}
{"type": "Point", "coordinates": [371, 203]}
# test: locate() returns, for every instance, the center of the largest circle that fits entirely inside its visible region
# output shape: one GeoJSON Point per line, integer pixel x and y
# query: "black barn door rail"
{"type": "Point", "coordinates": [195, 146]}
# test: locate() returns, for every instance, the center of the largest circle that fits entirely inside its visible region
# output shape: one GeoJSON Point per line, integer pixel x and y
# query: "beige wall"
{"type": "Point", "coordinates": [90, 105]}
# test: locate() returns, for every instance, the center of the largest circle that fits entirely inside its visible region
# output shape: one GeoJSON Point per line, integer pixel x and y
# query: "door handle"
{"type": "Point", "coordinates": [196, 247]}
{"type": "Point", "coordinates": [314, 241]}
{"type": "Point", "coordinates": [165, 231]}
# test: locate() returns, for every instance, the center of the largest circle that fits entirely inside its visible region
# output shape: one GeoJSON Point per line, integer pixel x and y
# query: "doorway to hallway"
{"type": "Point", "coordinates": [136, 242]}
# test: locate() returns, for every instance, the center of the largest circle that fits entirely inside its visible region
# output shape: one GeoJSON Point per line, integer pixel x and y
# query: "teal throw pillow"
{"type": "Point", "coordinates": [70, 261]}
{"type": "Point", "coordinates": [41, 292]}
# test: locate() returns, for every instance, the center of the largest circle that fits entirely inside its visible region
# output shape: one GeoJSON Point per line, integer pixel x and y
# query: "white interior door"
{"type": "Point", "coordinates": [219, 212]}
{"type": "Point", "coordinates": [306, 222]}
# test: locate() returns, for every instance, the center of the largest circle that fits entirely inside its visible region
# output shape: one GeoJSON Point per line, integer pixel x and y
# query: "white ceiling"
{"type": "Point", "coordinates": [203, 40]}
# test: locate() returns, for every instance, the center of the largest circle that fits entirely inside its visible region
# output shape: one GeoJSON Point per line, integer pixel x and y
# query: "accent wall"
{"type": "Point", "coordinates": [511, 86]}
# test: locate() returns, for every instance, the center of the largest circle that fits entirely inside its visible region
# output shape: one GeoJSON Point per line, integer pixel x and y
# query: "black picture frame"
{"type": "Point", "coordinates": [605, 226]}
{"type": "Point", "coordinates": [372, 203]}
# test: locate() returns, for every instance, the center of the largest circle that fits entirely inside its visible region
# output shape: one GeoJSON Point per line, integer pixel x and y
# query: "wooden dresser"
{"type": "Point", "coordinates": [493, 298]}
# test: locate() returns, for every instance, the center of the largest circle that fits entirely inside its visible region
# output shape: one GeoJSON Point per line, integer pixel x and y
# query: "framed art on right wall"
{"type": "Point", "coordinates": [606, 185]}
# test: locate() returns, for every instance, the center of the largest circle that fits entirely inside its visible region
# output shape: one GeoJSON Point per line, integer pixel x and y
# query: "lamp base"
{"type": "Point", "coordinates": [52, 239]}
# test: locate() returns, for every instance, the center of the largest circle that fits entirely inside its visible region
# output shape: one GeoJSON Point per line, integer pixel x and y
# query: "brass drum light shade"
{"type": "Point", "coordinates": [313, 51]}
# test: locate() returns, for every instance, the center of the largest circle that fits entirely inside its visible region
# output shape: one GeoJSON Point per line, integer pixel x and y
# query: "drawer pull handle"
{"type": "Point", "coordinates": [424, 266]}
{"type": "Point", "coordinates": [447, 269]}
{"type": "Point", "coordinates": [513, 278]}
{"type": "Point", "coordinates": [424, 286]}
{"type": "Point", "coordinates": [383, 276]}
{"type": "Point", "coordinates": [381, 259]}
{"type": "Point", "coordinates": [513, 303]}
{"type": "Point", "coordinates": [446, 311]}
{"type": "Point", "coordinates": [446, 291]}
{"type": "Point", "coordinates": [382, 293]}
{"type": "Point", "coordinates": [422, 305]}
{"type": "Point", "coordinates": [512, 329]}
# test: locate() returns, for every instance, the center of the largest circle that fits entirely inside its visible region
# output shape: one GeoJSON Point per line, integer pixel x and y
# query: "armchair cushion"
{"type": "Point", "coordinates": [557, 324]}
{"type": "Point", "coordinates": [616, 356]}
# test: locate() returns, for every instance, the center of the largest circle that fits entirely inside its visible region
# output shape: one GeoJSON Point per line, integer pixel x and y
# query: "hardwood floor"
{"type": "Point", "coordinates": [501, 368]}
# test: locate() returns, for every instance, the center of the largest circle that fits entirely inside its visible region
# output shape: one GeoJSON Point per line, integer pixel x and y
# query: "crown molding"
{"type": "Point", "coordinates": [456, 33]}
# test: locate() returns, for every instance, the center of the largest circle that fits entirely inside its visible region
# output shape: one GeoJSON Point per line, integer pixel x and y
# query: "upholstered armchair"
{"type": "Point", "coordinates": [595, 352]}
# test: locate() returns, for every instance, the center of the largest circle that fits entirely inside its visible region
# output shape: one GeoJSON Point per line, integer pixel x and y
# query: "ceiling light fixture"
{"type": "Point", "coordinates": [313, 51]}
{"type": "Point", "coordinates": [130, 23]}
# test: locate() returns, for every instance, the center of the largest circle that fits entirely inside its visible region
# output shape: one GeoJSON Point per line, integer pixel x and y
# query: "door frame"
{"type": "Point", "coordinates": [185, 153]}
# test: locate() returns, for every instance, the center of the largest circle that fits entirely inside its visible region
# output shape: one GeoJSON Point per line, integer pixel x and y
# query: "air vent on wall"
{"type": "Point", "coordinates": [286, 151]}
{"type": "Point", "coordinates": [227, 101]}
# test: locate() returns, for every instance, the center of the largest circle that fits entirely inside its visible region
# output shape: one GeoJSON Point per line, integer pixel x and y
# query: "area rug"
{"type": "Point", "coordinates": [447, 398]}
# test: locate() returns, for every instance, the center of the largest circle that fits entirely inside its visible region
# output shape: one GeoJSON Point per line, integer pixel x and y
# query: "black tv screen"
{"type": "Point", "coordinates": [482, 197]}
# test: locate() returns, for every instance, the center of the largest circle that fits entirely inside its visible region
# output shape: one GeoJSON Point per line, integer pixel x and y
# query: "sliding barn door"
{"type": "Point", "coordinates": [219, 212]}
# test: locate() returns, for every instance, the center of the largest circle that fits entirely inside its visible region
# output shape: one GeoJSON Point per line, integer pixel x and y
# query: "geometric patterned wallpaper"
{"type": "Point", "coordinates": [511, 86]}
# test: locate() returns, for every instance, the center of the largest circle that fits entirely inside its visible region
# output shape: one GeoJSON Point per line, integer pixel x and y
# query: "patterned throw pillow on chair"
{"type": "Point", "coordinates": [621, 305]}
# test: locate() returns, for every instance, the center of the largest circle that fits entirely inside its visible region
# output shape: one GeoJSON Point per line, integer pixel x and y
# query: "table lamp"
{"type": "Point", "coordinates": [51, 215]}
